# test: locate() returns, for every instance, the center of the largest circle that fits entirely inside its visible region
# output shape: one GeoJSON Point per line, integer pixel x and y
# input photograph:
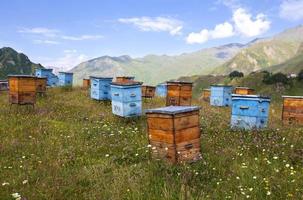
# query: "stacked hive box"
{"type": "Point", "coordinates": [174, 133]}
{"type": "Point", "coordinates": [220, 95]}
{"type": "Point", "coordinates": [65, 79]}
{"type": "Point", "coordinates": [148, 91]}
{"type": "Point", "coordinates": [249, 111]}
{"type": "Point", "coordinates": [292, 109]}
{"type": "Point", "coordinates": [41, 85]}
{"type": "Point", "coordinates": [124, 79]}
{"type": "Point", "coordinates": [3, 85]}
{"type": "Point", "coordinates": [86, 84]}
{"type": "Point", "coordinates": [100, 88]}
{"type": "Point", "coordinates": [22, 89]}
{"type": "Point", "coordinates": [244, 90]}
{"type": "Point", "coordinates": [161, 90]}
{"type": "Point", "coordinates": [179, 93]}
{"type": "Point", "coordinates": [126, 99]}
{"type": "Point", "coordinates": [206, 95]}
{"type": "Point", "coordinates": [52, 80]}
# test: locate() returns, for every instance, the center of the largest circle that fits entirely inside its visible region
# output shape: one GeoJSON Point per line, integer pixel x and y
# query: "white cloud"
{"type": "Point", "coordinates": [233, 4]}
{"type": "Point", "coordinates": [40, 31]}
{"type": "Point", "coordinates": [157, 24]}
{"type": "Point", "coordinates": [82, 37]}
{"type": "Point", "coordinates": [292, 9]}
{"type": "Point", "coordinates": [247, 26]}
{"type": "Point", "coordinates": [51, 42]}
{"type": "Point", "coordinates": [220, 31]}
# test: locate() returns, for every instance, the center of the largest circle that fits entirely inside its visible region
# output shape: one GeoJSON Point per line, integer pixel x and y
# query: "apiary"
{"type": "Point", "coordinates": [148, 91]}
{"type": "Point", "coordinates": [206, 95]}
{"type": "Point", "coordinates": [22, 89]}
{"type": "Point", "coordinates": [220, 95]}
{"type": "Point", "coordinates": [179, 93]}
{"type": "Point", "coordinates": [65, 79]}
{"type": "Point", "coordinates": [86, 83]}
{"type": "Point", "coordinates": [124, 79]}
{"type": "Point", "coordinates": [3, 85]}
{"type": "Point", "coordinates": [126, 99]}
{"type": "Point", "coordinates": [161, 90]}
{"type": "Point", "coordinates": [292, 109]}
{"type": "Point", "coordinates": [100, 88]}
{"type": "Point", "coordinates": [41, 85]}
{"type": "Point", "coordinates": [244, 91]}
{"type": "Point", "coordinates": [174, 133]}
{"type": "Point", "coordinates": [249, 111]}
{"type": "Point", "coordinates": [52, 79]}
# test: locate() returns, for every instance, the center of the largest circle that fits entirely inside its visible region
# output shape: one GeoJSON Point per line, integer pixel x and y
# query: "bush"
{"type": "Point", "coordinates": [275, 78]}
{"type": "Point", "coordinates": [235, 74]}
{"type": "Point", "coordinates": [300, 75]}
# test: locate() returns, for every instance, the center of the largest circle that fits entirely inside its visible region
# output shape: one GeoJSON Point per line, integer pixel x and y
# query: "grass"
{"type": "Point", "coordinates": [71, 147]}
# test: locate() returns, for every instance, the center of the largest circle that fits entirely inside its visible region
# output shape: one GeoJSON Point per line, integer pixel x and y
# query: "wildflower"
{"type": "Point", "coordinates": [5, 183]}
{"type": "Point", "coordinates": [23, 157]}
{"type": "Point", "coordinates": [254, 177]}
{"type": "Point", "coordinates": [250, 189]}
{"type": "Point", "coordinates": [149, 146]}
{"type": "Point", "coordinates": [287, 165]}
{"type": "Point", "coordinates": [16, 196]}
{"type": "Point", "coordinates": [24, 182]}
{"type": "Point", "coordinates": [268, 193]}
{"type": "Point", "coordinates": [275, 157]}
{"type": "Point", "coordinates": [106, 155]}
{"type": "Point", "coordinates": [237, 177]}
{"type": "Point", "coordinates": [137, 154]}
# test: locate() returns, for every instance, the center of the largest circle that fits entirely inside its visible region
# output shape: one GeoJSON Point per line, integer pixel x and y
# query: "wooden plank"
{"type": "Point", "coordinates": [161, 136]}
{"type": "Point", "coordinates": [160, 123]}
{"type": "Point", "coordinates": [293, 102]}
{"type": "Point", "coordinates": [186, 122]}
{"type": "Point", "coordinates": [187, 134]}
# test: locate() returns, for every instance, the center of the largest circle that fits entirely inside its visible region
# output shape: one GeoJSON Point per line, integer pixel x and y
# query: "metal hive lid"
{"type": "Point", "coordinates": [173, 110]}
{"type": "Point", "coordinates": [22, 76]}
{"type": "Point", "coordinates": [130, 83]}
{"type": "Point", "coordinates": [243, 88]}
{"type": "Point", "coordinates": [206, 89]}
{"type": "Point", "coordinates": [250, 96]}
{"type": "Point", "coordinates": [66, 73]}
{"type": "Point", "coordinates": [220, 85]}
{"type": "Point", "coordinates": [101, 77]}
{"type": "Point", "coordinates": [179, 82]}
{"type": "Point", "coordinates": [293, 97]}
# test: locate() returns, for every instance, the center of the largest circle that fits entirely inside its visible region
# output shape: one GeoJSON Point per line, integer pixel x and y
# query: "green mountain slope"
{"type": "Point", "coordinates": [12, 62]}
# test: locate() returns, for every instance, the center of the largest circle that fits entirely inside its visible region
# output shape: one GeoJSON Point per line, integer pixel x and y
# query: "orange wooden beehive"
{"type": "Point", "coordinates": [86, 83]}
{"type": "Point", "coordinates": [244, 90]}
{"type": "Point", "coordinates": [179, 93]}
{"type": "Point", "coordinates": [292, 109]}
{"type": "Point", "coordinates": [174, 133]}
{"type": "Point", "coordinates": [124, 79]}
{"type": "Point", "coordinates": [206, 95]}
{"type": "Point", "coordinates": [22, 89]}
{"type": "Point", "coordinates": [148, 91]}
{"type": "Point", "coordinates": [41, 85]}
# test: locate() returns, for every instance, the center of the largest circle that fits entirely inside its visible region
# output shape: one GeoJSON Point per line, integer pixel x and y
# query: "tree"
{"type": "Point", "coordinates": [235, 74]}
{"type": "Point", "coordinates": [275, 78]}
{"type": "Point", "coordinates": [300, 75]}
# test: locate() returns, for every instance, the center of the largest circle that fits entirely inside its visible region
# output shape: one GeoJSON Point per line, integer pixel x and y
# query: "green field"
{"type": "Point", "coordinates": [71, 147]}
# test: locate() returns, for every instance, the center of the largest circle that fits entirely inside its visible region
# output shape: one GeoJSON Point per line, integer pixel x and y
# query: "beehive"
{"type": "Point", "coordinates": [292, 109]}
{"type": "Point", "coordinates": [41, 85]}
{"type": "Point", "coordinates": [220, 95]}
{"type": "Point", "coordinates": [206, 95]}
{"type": "Point", "coordinates": [3, 85]}
{"type": "Point", "coordinates": [65, 79]}
{"type": "Point", "coordinates": [249, 111]}
{"type": "Point", "coordinates": [124, 79]}
{"type": "Point", "coordinates": [100, 88]}
{"type": "Point", "coordinates": [148, 91]}
{"type": "Point", "coordinates": [244, 91]}
{"type": "Point", "coordinates": [86, 84]}
{"type": "Point", "coordinates": [126, 99]}
{"type": "Point", "coordinates": [179, 93]}
{"type": "Point", "coordinates": [52, 79]}
{"type": "Point", "coordinates": [22, 89]}
{"type": "Point", "coordinates": [174, 133]}
{"type": "Point", "coordinates": [161, 90]}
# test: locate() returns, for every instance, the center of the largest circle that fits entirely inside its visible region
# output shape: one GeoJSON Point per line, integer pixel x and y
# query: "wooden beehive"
{"type": "Point", "coordinates": [179, 93]}
{"type": "Point", "coordinates": [86, 84]}
{"type": "Point", "coordinates": [148, 91]}
{"type": "Point", "coordinates": [124, 79]}
{"type": "Point", "coordinates": [292, 109]}
{"type": "Point", "coordinates": [41, 85]}
{"type": "Point", "coordinates": [22, 89]}
{"type": "Point", "coordinates": [3, 85]}
{"type": "Point", "coordinates": [206, 95]}
{"type": "Point", "coordinates": [174, 133]}
{"type": "Point", "coordinates": [244, 91]}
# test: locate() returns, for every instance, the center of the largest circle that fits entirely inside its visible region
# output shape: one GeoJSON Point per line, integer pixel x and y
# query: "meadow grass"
{"type": "Point", "coordinates": [72, 147]}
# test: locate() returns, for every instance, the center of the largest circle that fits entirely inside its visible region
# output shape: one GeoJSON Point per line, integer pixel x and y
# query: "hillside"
{"type": "Point", "coordinates": [153, 69]}
{"type": "Point", "coordinates": [265, 53]}
{"type": "Point", "coordinates": [12, 62]}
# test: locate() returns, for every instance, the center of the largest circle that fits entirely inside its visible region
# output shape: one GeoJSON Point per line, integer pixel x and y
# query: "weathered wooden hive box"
{"type": "Point", "coordinates": [220, 95]}
{"type": "Point", "coordinates": [22, 89]}
{"type": "Point", "coordinates": [65, 79]}
{"type": "Point", "coordinates": [52, 80]}
{"type": "Point", "coordinates": [249, 111]}
{"type": "Point", "coordinates": [148, 91]}
{"type": "Point", "coordinates": [206, 95]}
{"type": "Point", "coordinates": [161, 90]}
{"type": "Point", "coordinates": [174, 133]}
{"type": "Point", "coordinates": [41, 85]}
{"type": "Point", "coordinates": [124, 79]}
{"type": "Point", "coordinates": [86, 83]}
{"type": "Point", "coordinates": [100, 88]}
{"type": "Point", "coordinates": [126, 99]}
{"type": "Point", "coordinates": [292, 109]}
{"type": "Point", "coordinates": [3, 85]}
{"type": "Point", "coordinates": [179, 93]}
{"type": "Point", "coordinates": [244, 90]}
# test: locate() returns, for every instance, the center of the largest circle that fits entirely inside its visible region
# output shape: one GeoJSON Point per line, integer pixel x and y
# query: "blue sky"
{"type": "Point", "coordinates": [64, 33]}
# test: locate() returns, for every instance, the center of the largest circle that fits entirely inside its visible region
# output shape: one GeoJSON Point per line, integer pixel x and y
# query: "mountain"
{"type": "Point", "coordinates": [265, 53]}
{"type": "Point", "coordinates": [153, 69]}
{"type": "Point", "coordinates": [12, 62]}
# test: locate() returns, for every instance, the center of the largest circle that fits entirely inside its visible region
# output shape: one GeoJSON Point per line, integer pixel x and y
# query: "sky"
{"type": "Point", "coordinates": [64, 33]}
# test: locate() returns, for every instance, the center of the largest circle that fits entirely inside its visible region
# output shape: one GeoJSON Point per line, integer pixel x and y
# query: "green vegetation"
{"type": "Point", "coordinates": [235, 74]}
{"type": "Point", "coordinates": [71, 147]}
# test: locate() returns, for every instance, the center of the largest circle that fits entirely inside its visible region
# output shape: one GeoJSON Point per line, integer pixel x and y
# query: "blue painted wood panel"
{"type": "Point", "coordinates": [65, 79]}
{"type": "Point", "coordinates": [220, 95]}
{"type": "Point", "coordinates": [52, 79]}
{"type": "Point", "coordinates": [161, 90]}
{"type": "Point", "coordinates": [100, 88]}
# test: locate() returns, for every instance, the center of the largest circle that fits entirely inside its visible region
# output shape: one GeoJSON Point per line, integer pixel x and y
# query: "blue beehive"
{"type": "Point", "coordinates": [52, 79]}
{"type": "Point", "coordinates": [126, 99]}
{"type": "Point", "coordinates": [249, 111]}
{"type": "Point", "coordinates": [65, 79]}
{"type": "Point", "coordinates": [220, 95]}
{"type": "Point", "coordinates": [161, 90]}
{"type": "Point", "coordinates": [100, 88]}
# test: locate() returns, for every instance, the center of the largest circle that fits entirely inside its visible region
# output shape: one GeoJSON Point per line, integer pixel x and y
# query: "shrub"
{"type": "Point", "coordinates": [235, 74]}
{"type": "Point", "coordinates": [300, 75]}
{"type": "Point", "coordinates": [275, 78]}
